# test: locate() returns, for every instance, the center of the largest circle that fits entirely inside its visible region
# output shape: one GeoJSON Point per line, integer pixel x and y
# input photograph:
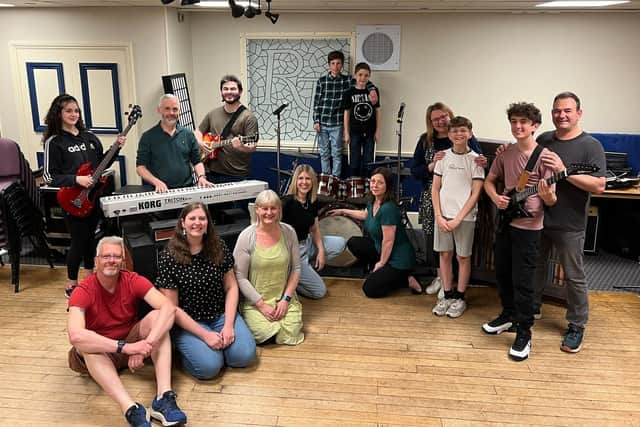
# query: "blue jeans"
{"type": "Point", "coordinates": [311, 284]}
{"type": "Point", "coordinates": [361, 150]}
{"type": "Point", "coordinates": [330, 144]}
{"type": "Point", "coordinates": [204, 362]}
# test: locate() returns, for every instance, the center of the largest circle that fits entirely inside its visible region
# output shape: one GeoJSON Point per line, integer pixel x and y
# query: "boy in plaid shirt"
{"type": "Point", "coordinates": [328, 114]}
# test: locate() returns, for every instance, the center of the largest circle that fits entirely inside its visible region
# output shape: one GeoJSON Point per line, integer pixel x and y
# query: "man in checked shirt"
{"type": "Point", "coordinates": [328, 114]}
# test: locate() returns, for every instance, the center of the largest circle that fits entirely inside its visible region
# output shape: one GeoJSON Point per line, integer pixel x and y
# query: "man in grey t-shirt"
{"type": "Point", "coordinates": [232, 161]}
{"type": "Point", "coordinates": [565, 222]}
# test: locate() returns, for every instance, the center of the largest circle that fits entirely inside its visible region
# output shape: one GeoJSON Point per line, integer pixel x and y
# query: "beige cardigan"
{"type": "Point", "coordinates": [244, 249]}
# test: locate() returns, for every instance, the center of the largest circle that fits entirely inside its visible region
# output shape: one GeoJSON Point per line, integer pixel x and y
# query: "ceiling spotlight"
{"type": "Point", "coordinates": [251, 11]}
{"type": "Point", "coordinates": [166, 1]}
{"type": "Point", "coordinates": [273, 17]}
{"type": "Point", "coordinates": [236, 10]}
{"type": "Point", "coordinates": [189, 2]}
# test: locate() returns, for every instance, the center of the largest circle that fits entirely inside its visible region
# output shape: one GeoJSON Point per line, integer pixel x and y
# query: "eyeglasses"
{"type": "Point", "coordinates": [113, 257]}
{"type": "Point", "coordinates": [440, 118]}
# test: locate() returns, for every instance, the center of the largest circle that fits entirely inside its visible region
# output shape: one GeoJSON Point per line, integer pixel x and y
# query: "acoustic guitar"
{"type": "Point", "coordinates": [79, 201]}
{"type": "Point", "coordinates": [516, 209]}
{"type": "Point", "coordinates": [215, 144]}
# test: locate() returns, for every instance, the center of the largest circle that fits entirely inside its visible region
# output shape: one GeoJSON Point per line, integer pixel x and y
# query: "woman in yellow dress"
{"type": "Point", "coordinates": [268, 269]}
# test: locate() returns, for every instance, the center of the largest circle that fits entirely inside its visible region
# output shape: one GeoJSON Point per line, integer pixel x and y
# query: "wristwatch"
{"type": "Point", "coordinates": [121, 344]}
{"type": "Point", "coordinates": [285, 297]}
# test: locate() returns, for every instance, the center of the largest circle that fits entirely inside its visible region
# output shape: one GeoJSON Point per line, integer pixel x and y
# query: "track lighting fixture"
{"type": "Point", "coordinates": [273, 17]}
{"type": "Point", "coordinates": [182, 2]}
{"type": "Point", "coordinates": [236, 10]}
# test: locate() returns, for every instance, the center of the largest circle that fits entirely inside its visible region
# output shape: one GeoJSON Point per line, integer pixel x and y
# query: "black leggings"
{"type": "Point", "coordinates": [383, 281]}
{"type": "Point", "coordinates": [83, 242]}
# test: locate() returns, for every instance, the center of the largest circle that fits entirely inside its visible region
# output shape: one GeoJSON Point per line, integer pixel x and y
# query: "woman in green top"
{"type": "Point", "coordinates": [387, 246]}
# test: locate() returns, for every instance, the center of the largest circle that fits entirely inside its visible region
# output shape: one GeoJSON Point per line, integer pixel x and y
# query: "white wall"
{"type": "Point", "coordinates": [477, 63]}
{"type": "Point", "coordinates": [142, 27]}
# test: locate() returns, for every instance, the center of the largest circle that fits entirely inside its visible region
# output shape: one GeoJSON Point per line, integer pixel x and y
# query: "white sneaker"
{"type": "Point", "coordinates": [441, 307]}
{"type": "Point", "coordinates": [538, 315]}
{"type": "Point", "coordinates": [457, 308]}
{"type": "Point", "coordinates": [434, 287]}
{"type": "Point", "coordinates": [441, 293]}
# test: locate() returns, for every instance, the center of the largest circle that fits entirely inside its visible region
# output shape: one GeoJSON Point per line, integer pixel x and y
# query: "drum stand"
{"type": "Point", "coordinates": [277, 114]}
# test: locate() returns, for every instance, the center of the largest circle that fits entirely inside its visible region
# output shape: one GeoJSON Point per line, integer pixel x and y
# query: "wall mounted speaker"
{"type": "Point", "coordinates": [378, 46]}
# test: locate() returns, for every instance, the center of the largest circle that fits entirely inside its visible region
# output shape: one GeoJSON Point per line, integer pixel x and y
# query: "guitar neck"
{"type": "Point", "coordinates": [534, 189]}
{"type": "Point", "coordinates": [110, 155]}
{"type": "Point", "coordinates": [243, 139]}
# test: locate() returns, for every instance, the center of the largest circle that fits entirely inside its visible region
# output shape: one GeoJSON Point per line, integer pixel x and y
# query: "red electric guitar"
{"type": "Point", "coordinates": [215, 144]}
{"type": "Point", "coordinates": [78, 200]}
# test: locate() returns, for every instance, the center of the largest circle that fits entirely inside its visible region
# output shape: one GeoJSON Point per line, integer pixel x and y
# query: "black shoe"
{"type": "Point", "coordinates": [521, 347]}
{"type": "Point", "coordinates": [500, 324]}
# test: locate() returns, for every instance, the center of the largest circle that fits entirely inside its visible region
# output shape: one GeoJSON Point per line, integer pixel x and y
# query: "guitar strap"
{"type": "Point", "coordinates": [524, 175]}
{"type": "Point", "coordinates": [227, 128]}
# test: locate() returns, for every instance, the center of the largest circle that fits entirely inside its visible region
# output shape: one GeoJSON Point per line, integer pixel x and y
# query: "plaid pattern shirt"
{"type": "Point", "coordinates": [327, 102]}
{"type": "Point", "coordinates": [328, 99]}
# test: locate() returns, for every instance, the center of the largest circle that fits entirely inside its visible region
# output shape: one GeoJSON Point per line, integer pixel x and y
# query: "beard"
{"type": "Point", "coordinates": [232, 101]}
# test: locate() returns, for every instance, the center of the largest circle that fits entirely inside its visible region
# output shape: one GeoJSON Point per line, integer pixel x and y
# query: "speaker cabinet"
{"type": "Point", "coordinates": [591, 232]}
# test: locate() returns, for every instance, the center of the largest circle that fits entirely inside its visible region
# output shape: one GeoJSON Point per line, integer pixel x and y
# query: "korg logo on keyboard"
{"type": "Point", "coordinates": [152, 204]}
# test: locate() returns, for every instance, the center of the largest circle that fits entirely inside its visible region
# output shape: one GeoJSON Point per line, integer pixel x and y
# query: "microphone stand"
{"type": "Point", "coordinates": [399, 133]}
{"type": "Point", "coordinates": [277, 114]}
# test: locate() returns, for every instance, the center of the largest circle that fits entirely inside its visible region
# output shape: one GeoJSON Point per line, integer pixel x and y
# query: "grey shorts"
{"type": "Point", "coordinates": [462, 237]}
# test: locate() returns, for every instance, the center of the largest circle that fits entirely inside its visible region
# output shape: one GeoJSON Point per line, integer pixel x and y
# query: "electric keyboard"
{"type": "Point", "coordinates": [151, 201]}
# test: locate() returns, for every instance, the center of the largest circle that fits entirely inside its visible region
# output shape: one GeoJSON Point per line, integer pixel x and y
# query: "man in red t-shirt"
{"type": "Point", "coordinates": [106, 335]}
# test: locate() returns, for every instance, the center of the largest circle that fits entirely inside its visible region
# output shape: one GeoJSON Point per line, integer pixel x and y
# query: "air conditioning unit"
{"type": "Point", "coordinates": [378, 46]}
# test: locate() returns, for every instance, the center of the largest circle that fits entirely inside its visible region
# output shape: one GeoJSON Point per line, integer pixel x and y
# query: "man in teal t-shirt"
{"type": "Point", "coordinates": [168, 154]}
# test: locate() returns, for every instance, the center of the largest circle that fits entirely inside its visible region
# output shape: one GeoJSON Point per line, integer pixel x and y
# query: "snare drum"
{"type": "Point", "coordinates": [340, 226]}
{"type": "Point", "coordinates": [354, 187]}
{"type": "Point", "coordinates": [328, 185]}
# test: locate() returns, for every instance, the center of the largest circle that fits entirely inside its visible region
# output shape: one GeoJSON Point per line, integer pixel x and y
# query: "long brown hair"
{"type": "Point", "coordinates": [179, 246]}
{"type": "Point", "coordinates": [53, 119]}
{"type": "Point", "coordinates": [428, 140]}
{"type": "Point", "coordinates": [293, 188]}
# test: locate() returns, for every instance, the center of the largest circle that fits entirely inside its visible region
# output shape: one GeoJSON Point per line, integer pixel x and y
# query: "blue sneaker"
{"type": "Point", "coordinates": [166, 410]}
{"type": "Point", "coordinates": [572, 342]}
{"type": "Point", "coordinates": [138, 416]}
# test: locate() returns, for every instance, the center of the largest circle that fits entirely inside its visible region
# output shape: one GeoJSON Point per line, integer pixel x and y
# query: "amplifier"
{"type": "Point", "coordinates": [163, 229]}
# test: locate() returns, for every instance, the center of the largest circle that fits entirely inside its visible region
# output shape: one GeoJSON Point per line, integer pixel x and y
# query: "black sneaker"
{"type": "Point", "coordinates": [68, 291]}
{"type": "Point", "coordinates": [137, 416]}
{"type": "Point", "coordinates": [500, 324]}
{"type": "Point", "coordinates": [572, 342]}
{"type": "Point", "coordinates": [521, 347]}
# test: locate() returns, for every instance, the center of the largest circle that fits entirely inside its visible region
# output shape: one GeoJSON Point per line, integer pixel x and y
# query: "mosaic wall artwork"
{"type": "Point", "coordinates": [285, 70]}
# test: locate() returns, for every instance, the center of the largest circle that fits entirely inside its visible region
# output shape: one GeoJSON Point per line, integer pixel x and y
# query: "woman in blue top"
{"type": "Point", "coordinates": [387, 246]}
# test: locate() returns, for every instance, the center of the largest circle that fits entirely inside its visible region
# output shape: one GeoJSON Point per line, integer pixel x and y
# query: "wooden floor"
{"type": "Point", "coordinates": [386, 362]}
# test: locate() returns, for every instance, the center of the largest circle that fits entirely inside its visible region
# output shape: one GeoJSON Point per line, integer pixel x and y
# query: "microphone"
{"type": "Point", "coordinates": [280, 108]}
{"type": "Point", "coordinates": [401, 112]}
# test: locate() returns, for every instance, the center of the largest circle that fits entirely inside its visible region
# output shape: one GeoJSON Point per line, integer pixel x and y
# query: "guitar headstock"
{"type": "Point", "coordinates": [582, 168]}
{"type": "Point", "coordinates": [134, 114]}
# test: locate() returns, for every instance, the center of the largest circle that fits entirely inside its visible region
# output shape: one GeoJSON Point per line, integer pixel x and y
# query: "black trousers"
{"type": "Point", "coordinates": [383, 281]}
{"type": "Point", "coordinates": [83, 242]}
{"type": "Point", "coordinates": [516, 252]}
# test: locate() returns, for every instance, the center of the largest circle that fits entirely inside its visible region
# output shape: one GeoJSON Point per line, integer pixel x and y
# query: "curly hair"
{"type": "Point", "coordinates": [428, 141]}
{"type": "Point", "coordinates": [293, 188]}
{"type": "Point", "coordinates": [526, 110]}
{"type": "Point", "coordinates": [53, 119]}
{"type": "Point", "coordinates": [178, 246]}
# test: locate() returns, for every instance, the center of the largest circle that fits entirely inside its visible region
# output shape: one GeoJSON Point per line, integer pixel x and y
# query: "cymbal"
{"type": "Point", "coordinates": [384, 162]}
{"type": "Point", "coordinates": [299, 154]}
{"type": "Point", "coordinates": [284, 172]}
{"type": "Point", "coordinates": [403, 171]}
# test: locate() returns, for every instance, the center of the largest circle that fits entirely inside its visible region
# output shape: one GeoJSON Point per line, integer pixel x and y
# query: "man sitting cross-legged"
{"type": "Point", "coordinates": [106, 335]}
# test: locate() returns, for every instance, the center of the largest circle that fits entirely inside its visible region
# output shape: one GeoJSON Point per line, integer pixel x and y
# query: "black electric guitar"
{"type": "Point", "coordinates": [516, 209]}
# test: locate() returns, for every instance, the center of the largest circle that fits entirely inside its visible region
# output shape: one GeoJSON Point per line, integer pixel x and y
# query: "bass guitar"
{"type": "Point", "coordinates": [516, 209]}
{"type": "Point", "coordinates": [215, 144]}
{"type": "Point", "coordinates": [79, 201]}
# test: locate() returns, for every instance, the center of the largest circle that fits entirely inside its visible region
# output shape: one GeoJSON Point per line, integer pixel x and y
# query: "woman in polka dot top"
{"type": "Point", "coordinates": [196, 273]}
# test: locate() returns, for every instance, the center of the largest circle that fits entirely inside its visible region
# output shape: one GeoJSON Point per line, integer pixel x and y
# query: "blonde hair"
{"type": "Point", "coordinates": [293, 188]}
{"type": "Point", "coordinates": [268, 198]}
